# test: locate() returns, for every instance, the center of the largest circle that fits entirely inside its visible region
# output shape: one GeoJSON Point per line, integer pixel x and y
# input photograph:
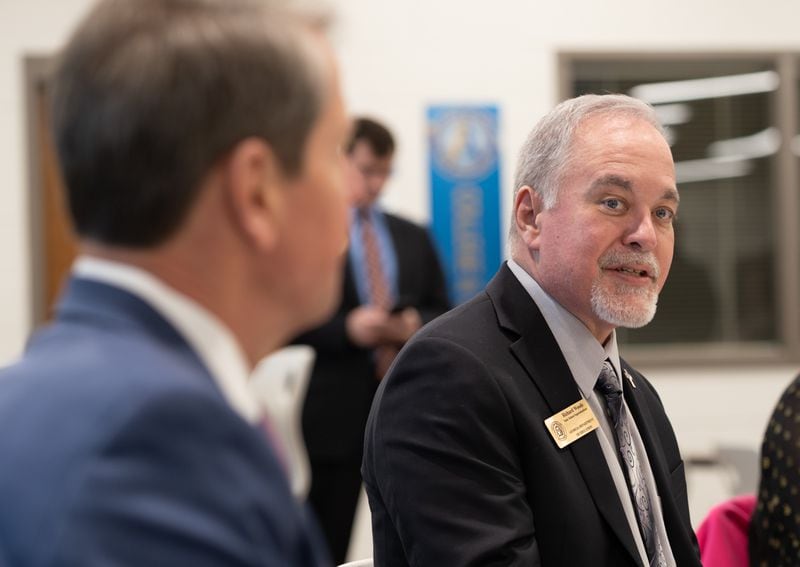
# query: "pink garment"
{"type": "Point", "coordinates": [723, 534]}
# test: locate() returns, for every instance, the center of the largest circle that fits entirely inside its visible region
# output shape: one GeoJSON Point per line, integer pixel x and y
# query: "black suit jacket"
{"type": "Point", "coordinates": [460, 469]}
{"type": "Point", "coordinates": [343, 380]}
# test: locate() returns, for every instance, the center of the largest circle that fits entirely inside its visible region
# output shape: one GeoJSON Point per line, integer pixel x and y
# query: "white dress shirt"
{"type": "Point", "coordinates": [585, 356]}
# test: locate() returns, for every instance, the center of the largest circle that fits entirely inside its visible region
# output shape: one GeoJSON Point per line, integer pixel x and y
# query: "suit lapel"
{"type": "Point", "coordinates": [350, 298]}
{"type": "Point", "coordinates": [394, 230]}
{"type": "Point", "coordinates": [538, 352]}
{"type": "Point", "coordinates": [682, 549]}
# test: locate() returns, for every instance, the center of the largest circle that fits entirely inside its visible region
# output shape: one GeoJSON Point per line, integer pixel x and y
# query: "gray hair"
{"type": "Point", "coordinates": [547, 152]}
{"type": "Point", "coordinates": [150, 94]}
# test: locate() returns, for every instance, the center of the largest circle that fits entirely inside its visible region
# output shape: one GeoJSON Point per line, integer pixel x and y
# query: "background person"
{"type": "Point", "coordinates": [775, 525]}
{"type": "Point", "coordinates": [460, 466]}
{"type": "Point", "coordinates": [393, 284]}
{"type": "Point", "coordinates": [200, 143]}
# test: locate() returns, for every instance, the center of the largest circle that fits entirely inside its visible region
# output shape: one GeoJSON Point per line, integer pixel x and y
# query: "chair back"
{"type": "Point", "coordinates": [280, 383]}
{"type": "Point", "coordinates": [359, 563]}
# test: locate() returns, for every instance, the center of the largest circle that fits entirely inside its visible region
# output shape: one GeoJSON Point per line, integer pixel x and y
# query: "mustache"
{"type": "Point", "coordinates": [629, 258]}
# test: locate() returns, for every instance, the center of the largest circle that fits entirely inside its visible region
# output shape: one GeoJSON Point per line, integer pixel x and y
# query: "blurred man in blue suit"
{"type": "Point", "coordinates": [200, 145]}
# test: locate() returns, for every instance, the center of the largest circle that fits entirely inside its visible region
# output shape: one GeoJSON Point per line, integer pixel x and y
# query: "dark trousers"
{"type": "Point", "coordinates": [334, 495]}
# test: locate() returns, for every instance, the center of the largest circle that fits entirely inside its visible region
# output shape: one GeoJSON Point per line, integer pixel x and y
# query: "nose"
{"type": "Point", "coordinates": [642, 233]}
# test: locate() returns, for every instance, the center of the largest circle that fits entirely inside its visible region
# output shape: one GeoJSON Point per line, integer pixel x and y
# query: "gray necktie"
{"type": "Point", "coordinates": [608, 385]}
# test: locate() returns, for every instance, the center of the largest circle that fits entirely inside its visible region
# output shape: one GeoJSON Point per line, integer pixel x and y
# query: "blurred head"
{"type": "Point", "coordinates": [594, 209]}
{"type": "Point", "coordinates": [371, 150]}
{"type": "Point", "coordinates": [208, 135]}
{"type": "Point", "coordinates": [150, 94]}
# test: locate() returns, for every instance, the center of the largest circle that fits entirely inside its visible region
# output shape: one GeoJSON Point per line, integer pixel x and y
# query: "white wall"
{"type": "Point", "coordinates": [398, 57]}
{"type": "Point", "coordinates": [33, 27]}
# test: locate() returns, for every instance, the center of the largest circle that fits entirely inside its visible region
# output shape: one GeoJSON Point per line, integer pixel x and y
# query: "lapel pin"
{"type": "Point", "coordinates": [629, 377]}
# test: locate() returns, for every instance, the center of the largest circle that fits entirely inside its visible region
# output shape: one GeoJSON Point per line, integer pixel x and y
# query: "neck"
{"type": "Point", "coordinates": [219, 286]}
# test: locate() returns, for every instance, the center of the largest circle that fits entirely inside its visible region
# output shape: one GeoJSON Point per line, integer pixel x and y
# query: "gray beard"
{"type": "Point", "coordinates": [616, 308]}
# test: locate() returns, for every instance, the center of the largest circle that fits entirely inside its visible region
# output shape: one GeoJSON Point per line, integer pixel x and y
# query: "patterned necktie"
{"type": "Point", "coordinates": [379, 293]}
{"type": "Point", "coordinates": [608, 385]}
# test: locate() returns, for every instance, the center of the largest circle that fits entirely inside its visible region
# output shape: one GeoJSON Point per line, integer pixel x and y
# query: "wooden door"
{"type": "Point", "coordinates": [55, 245]}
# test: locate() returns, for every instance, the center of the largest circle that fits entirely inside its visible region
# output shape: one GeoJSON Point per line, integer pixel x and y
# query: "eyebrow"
{"type": "Point", "coordinates": [670, 194]}
{"type": "Point", "coordinates": [613, 180]}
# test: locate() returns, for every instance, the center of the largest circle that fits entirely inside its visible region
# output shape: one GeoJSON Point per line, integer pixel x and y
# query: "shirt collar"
{"type": "Point", "coordinates": [583, 352]}
{"type": "Point", "coordinates": [213, 342]}
{"type": "Point", "coordinates": [373, 210]}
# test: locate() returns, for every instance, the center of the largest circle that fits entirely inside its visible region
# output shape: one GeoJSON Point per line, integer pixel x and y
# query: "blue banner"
{"type": "Point", "coordinates": [465, 194]}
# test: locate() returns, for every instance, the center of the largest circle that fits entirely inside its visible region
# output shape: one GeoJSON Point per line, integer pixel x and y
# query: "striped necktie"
{"type": "Point", "coordinates": [379, 293]}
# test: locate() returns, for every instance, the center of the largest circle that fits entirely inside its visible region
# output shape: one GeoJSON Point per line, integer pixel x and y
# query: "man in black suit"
{"type": "Point", "coordinates": [463, 464]}
{"type": "Point", "coordinates": [373, 321]}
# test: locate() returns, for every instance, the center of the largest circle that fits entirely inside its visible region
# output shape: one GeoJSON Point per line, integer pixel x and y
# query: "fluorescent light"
{"type": "Point", "coordinates": [796, 145]}
{"type": "Point", "coordinates": [669, 114]}
{"type": "Point", "coordinates": [690, 171]}
{"type": "Point", "coordinates": [761, 144]}
{"type": "Point", "coordinates": [670, 135]}
{"type": "Point", "coordinates": [711, 87]}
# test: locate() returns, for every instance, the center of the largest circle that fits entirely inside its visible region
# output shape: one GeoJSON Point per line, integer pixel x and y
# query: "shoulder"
{"type": "Point", "coordinates": [449, 365]}
{"type": "Point", "coordinates": [92, 389]}
{"type": "Point", "coordinates": [791, 395]}
{"type": "Point", "coordinates": [474, 320]}
{"type": "Point", "coordinates": [114, 372]}
{"type": "Point", "coordinates": [124, 436]}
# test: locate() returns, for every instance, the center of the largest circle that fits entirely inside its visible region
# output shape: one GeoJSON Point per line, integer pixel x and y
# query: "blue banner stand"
{"type": "Point", "coordinates": [465, 194]}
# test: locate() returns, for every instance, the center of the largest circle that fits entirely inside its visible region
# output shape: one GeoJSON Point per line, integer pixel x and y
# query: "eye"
{"type": "Point", "coordinates": [613, 204]}
{"type": "Point", "coordinates": [664, 214]}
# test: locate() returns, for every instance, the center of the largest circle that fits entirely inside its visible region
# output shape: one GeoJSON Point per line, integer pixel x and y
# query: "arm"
{"type": "Point", "coordinates": [441, 454]}
{"type": "Point", "coordinates": [422, 284]}
{"type": "Point", "coordinates": [353, 327]}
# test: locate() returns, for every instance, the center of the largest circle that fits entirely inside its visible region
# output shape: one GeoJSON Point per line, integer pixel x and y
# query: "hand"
{"type": "Point", "coordinates": [401, 326]}
{"type": "Point", "coordinates": [366, 326]}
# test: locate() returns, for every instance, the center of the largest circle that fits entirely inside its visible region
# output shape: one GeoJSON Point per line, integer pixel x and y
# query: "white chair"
{"type": "Point", "coordinates": [361, 534]}
{"type": "Point", "coordinates": [359, 563]}
{"type": "Point", "coordinates": [280, 383]}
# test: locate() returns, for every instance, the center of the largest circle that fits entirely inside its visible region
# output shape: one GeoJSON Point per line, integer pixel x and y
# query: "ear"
{"type": "Point", "coordinates": [528, 207]}
{"type": "Point", "coordinates": [255, 191]}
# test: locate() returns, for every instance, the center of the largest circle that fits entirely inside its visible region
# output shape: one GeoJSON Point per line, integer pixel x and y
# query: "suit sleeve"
{"type": "Point", "coordinates": [184, 482]}
{"type": "Point", "coordinates": [441, 454]}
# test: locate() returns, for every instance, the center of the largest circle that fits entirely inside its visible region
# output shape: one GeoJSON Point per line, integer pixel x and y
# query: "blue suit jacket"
{"type": "Point", "coordinates": [117, 448]}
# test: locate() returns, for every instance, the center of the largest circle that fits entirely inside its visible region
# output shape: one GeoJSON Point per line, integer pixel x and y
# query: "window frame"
{"type": "Point", "coordinates": [785, 208]}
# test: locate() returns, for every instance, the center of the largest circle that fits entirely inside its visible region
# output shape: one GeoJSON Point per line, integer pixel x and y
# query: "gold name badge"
{"type": "Point", "coordinates": [572, 423]}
